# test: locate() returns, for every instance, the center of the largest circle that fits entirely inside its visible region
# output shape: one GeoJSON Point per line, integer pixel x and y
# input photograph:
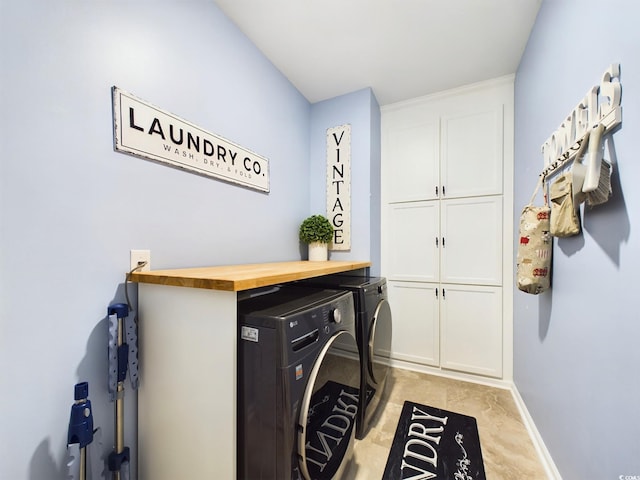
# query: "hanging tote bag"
{"type": "Point", "coordinates": [535, 247]}
{"type": "Point", "coordinates": [564, 218]}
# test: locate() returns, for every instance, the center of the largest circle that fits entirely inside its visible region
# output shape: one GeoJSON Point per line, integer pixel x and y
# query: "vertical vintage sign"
{"type": "Point", "coordinates": [339, 185]}
{"type": "Point", "coordinates": [146, 131]}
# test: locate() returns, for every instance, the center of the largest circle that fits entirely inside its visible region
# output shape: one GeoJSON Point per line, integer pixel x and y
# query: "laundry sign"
{"type": "Point", "coordinates": [339, 185]}
{"type": "Point", "coordinates": [148, 132]}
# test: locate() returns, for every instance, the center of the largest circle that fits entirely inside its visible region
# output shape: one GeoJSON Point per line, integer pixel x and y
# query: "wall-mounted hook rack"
{"type": "Point", "coordinates": [600, 106]}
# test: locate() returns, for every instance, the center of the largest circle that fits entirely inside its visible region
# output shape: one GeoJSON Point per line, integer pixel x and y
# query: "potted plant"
{"type": "Point", "coordinates": [317, 232]}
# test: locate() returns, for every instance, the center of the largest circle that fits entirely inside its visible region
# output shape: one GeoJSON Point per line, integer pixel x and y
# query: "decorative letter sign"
{"type": "Point", "coordinates": [601, 105]}
{"type": "Point", "coordinates": [148, 132]}
{"type": "Point", "coordinates": [339, 185]}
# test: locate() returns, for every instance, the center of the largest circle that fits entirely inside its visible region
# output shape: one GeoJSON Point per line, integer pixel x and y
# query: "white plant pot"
{"type": "Point", "coordinates": [318, 252]}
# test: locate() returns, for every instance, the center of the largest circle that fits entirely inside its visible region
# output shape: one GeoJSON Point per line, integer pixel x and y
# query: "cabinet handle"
{"type": "Point", "coordinates": [436, 293]}
{"type": "Point", "coordinates": [442, 242]}
{"type": "Point", "coordinates": [436, 242]}
{"type": "Point", "coordinates": [443, 294]}
{"type": "Point", "coordinates": [436, 190]}
{"type": "Point", "coordinates": [443, 192]}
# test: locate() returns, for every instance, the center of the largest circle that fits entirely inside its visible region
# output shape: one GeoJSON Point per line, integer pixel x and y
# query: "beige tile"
{"type": "Point", "coordinates": [507, 449]}
{"type": "Point", "coordinates": [368, 461]}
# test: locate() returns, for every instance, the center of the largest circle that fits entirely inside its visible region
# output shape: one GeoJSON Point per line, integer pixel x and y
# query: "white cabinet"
{"type": "Point", "coordinates": [416, 325]}
{"type": "Point", "coordinates": [413, 150]}
{"type": "Point", "coordinates": [430, 154]}
{"type": "Point", "coordinates": [187, 395]}
{"type": "Point", "coordinates": [457, 327]}
{"type": "Point", "coordinates": [413, 232]}
{"type": "Point", "coordinates": [471, 143]}
{"type": "Point", "coordinates": [471, 329]}
{"type": "Point", "coordinates": [471, 240]}
{"type": "Point", "coordinates": [455, 241]}
{"type": "Point", "coordinates": [446, 162]}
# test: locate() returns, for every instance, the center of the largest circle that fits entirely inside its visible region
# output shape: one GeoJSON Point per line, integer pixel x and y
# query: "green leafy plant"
{"type": "Point", "coordinates": [316, 228]}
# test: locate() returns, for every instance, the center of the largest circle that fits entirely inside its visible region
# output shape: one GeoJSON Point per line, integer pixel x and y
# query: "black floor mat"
{"type": "Point", "coordinates": [431, 443]}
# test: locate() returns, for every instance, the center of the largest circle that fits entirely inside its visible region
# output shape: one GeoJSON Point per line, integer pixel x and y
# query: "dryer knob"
{"type": "Point", "coordinates": [336, 315]}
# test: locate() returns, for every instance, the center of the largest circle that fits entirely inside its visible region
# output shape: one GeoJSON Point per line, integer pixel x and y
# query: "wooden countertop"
{"type": "Point", "coordinates": [245, 277]}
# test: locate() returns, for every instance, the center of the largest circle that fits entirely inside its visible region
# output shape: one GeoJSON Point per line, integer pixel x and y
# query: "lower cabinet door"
{"type": "Point", "coordinates": [471, 329]}
{"type": "Point", "coordinates": [415, 322]}
{"type": "Point", "coordinates": [455, 327]}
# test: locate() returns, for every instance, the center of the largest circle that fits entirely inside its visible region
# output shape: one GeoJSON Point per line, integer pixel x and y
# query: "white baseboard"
{"type": "Point", "coordinates": [538, 443]}
{"type": "Point", "coordinates": [541, 449]}
{"type": "Point", "coordinates": [465, 377]}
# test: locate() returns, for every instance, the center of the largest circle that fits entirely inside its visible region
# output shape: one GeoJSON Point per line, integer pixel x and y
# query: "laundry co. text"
{"type": "Point", "coordinates": [146, 131]}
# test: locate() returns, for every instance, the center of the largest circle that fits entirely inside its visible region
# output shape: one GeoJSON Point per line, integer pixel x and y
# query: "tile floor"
{"type": "Point", "coordinates": [507, 449]}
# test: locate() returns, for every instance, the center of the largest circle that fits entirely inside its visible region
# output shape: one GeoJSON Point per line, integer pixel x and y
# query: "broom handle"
{"type": "Point", "coordinates": [583, 147]}
{"type": "Point", "coordinates": [592, 178]}
{"type": "Point", "coordinates": [119, 457]}
{"type": "Point", "coordinates": [119, 405]}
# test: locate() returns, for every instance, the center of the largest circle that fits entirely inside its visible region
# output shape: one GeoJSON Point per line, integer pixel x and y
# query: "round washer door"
{"type": "Point", "coordinates": [326, 429]}
{"type": "Point", "coordinates": [380, 342]}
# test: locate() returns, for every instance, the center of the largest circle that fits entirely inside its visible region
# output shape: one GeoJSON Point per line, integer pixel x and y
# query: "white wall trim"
{"type": "Point", "coordinates": [451, 374]}
{"type": "Point", "coordinates": [536, 438]}
{"type": "Point", "coordinates": [508, 80]}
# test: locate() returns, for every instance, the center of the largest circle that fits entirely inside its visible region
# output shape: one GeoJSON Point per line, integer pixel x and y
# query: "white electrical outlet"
{"type": "Point", "coordinates": [140, 256]}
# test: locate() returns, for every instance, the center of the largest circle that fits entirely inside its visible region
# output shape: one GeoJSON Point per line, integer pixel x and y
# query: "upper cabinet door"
{"type": "Point", "coordinates": [472, 152]}
{"type": "Point", "coordinates": [411, 149]}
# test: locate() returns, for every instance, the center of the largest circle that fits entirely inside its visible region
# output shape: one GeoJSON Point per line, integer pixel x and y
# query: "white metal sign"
{"type": "Point", "coordinates": [149, 132]}
{"type": "Point", "coordinates": [601, 105]}
{"type": "Point", "coordinates": [339, 185]}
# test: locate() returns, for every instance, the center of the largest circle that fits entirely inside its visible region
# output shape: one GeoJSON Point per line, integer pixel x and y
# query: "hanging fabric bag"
{"type": "Point", "coordinates": [534, 247]}
{"type": "Point", "coordinates": [564, 219]}
{"type": "Point", "coordinates": [566, 195]}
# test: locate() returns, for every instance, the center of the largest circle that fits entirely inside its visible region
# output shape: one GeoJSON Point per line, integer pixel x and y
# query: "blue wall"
{"type": "Point", "coordinates": [359, 109]}
{"type": "Point", "coordinates": [71, 208]}
{"type": "Point", "coordinates": [576, 347]}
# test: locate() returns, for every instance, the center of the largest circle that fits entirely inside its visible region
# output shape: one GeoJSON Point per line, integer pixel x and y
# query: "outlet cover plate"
{"type": "Point", "coordinates": [140, 256]}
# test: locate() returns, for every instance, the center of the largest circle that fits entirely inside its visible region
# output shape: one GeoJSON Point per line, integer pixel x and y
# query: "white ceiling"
{"type": "Point", "coordinates": [402, 49]}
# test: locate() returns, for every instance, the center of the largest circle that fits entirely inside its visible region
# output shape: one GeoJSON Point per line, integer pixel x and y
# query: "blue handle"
{"type": "Point", "coordinates": [81, 391]}
{"type": "Point", "coordinates": [123, 361]}
{"type": "Point", "coordinates": [120, 309]}
{"type": "Point", "coordinates": [81, 420]}
{"type": "Point", "coordinates": [115, 460]}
